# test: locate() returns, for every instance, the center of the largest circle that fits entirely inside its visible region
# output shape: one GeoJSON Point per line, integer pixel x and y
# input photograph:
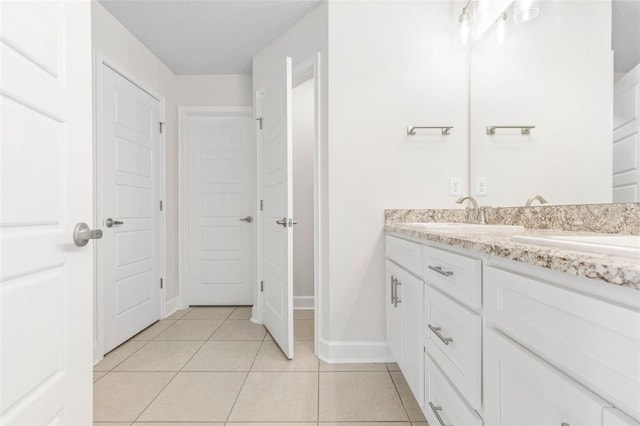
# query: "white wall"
{"type": "Point", "coordinates": [303, 154]}
{"type": "Point", "coordinates": [554, 72]}
{"type": "Point", "coordinates": [305, 39]}
{"type": "Point", "coordinates": [214, 90]}
{"type": "Point", "coordinates": [112, 39]}
{"type": "Point", "coordinates": [391, 64]}
{"type": "Point", "coordinates": [115, 42]}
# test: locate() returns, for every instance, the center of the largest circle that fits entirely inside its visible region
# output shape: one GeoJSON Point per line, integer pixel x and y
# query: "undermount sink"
{"type": "Point", "coordinates": [614, 245]}
{"type": "Point", "coordinates": [465, 226]}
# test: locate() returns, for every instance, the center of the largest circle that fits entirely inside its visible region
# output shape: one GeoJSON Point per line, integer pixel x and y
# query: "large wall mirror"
{"type": "Point", "coordinates": [546, 116]}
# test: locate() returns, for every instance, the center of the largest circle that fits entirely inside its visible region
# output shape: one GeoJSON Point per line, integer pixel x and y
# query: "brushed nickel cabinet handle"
{"type": "Point", "coordinates": [439, 270]}
{"type": "Point", "coordinates": [436, 331]}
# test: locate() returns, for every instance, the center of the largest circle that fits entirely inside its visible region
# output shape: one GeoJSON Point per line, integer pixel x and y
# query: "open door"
{"type": "Point", "coordinates": [276, 181]}
{"type": "Point", "coordinates": [46, 267]}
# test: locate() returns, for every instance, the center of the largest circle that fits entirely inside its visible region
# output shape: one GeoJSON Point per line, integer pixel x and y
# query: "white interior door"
{"type": "Point", "coordinates": [46, 295]}
{"type": "Point", "coordinates": [626, 138]}
{"type": "Point", "coordinates": [129, 253]}
{"type": "Point", "coordinates": [277, 222]}
{"type": "Point", "coordinates": [221, 207]}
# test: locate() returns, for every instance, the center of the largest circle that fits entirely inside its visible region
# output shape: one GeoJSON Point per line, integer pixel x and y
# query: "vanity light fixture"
{"type": "Point", "coordinates": [465, 24]}
{"type": "Point", "coordinates": [525, 10]}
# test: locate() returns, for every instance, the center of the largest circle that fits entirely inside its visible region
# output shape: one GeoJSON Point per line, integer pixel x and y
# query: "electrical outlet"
{"type": "Point", "coordinates": [455, 186]}
{"type": "Point", "coordinates": [481, 186]}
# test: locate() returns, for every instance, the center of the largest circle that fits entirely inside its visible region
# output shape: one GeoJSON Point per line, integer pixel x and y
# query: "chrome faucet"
{"type": "Point", "coordinates": [474, 213]}
{"type": "Point", "coordinates": [535, 197]}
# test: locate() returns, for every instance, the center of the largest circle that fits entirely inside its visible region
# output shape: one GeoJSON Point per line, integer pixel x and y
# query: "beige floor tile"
{"type": "Point", "coordinates": [119, 354]}
{"type": "Point", "coordinates": [176, 424]}
{"type": "Point", "coordinates": [420, 424]}
{"type": "Point", "coordinates": [153, 330]}
{"type": "Point", "coordinates": [392, 366]}
{"type": "Point", "coordinates": [408, 400]}
{"type": "Point", "coordinates": [123, 396]}
{"type": "Point", "coordinates": [277, 397]}
{"type": "Point", "coordinates": [353, 367]}
{"type": "Point", "coordinates": [111, 424]}
{"type": "Point", "coordinates": [364, 424]}
{"type": "Point", "coordinates": [239, 330]}
{"type": "Point", "coordinates": [303, 329]}
{"type": "Point", "coordinates": [359, 396]}
{"type": "Point", "coordinates": [271, 358]}
{"type": "Point", "coordinates": [270, 424]}
{"type": "Point", "coordinates": [190, 330]}
{"type": "Point", "coordinates": [224, 356]}
{"type": "Point", "coordinates": [178, 314]}
{"type": "Point", "coordinates": [242, 313]}
{"type": "Point", "coordinates": [97, 375]}
{"type": "Point", "coordinates": [268, 337]}
{"type": "Point", "coordinates": [303, 314]}
{"type": "Point", "coordinates": [209, 313]}
{"type": "Point", "coordinates": [196, 397]}
{"type": "Point", "coordinates": [161, 355]}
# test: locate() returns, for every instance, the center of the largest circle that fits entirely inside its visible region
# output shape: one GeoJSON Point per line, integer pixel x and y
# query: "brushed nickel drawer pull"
{"type": "Point", "coordinates": [439, 270]}
{"type": "Point", "coordinates": [436, 331]}
{"type": "Point", "coordinates": [435, 411]}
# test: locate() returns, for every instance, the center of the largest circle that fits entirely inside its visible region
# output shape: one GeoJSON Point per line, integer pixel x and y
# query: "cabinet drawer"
{"type": "Point", "coordinates": [405, 253]}
{"type": "Point", "coordinates": [453, 339]}
{"type": "Point", "coordinates": [521, 389]}
{"type": "Point", "coordinates": [457, 275]}
{"type": "Point", "coordinates": [443, 405]}
{"type": "Point", "coordinates": [593, 341]}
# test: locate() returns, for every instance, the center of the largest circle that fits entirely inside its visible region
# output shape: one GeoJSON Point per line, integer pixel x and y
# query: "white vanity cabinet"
{"type": "Point", "coordinates": [588, 345]}
{"type": "Point", "coordinates": [405, 310]}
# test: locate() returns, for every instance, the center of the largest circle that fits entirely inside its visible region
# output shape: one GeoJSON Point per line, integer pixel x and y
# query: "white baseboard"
{"type": "Point", "coordinates": [170, 307]}
{"type": "Point", "coordinates": [303, 302]}
{"type": "Point", "coordinates": [353, 352]}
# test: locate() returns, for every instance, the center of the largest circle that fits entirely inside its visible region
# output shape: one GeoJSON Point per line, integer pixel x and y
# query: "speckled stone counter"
{"type": "Point", "coordinates": [538, 221]}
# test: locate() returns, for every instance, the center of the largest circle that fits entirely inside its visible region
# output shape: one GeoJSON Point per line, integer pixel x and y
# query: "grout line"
{"type": "Point", "coordinates": [243, 382]}
{"type": "Point", "coordinates": [158, 394]}
{"type": "Point", "coordinates": [128, 356]}
{"type": "Point", "coordinates": [399, 395]}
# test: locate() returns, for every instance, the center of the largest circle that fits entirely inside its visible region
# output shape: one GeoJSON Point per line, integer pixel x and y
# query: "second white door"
{"type": "Point", "coordinates": [129, 254]}
{"type": "Point", "coordinates": [221, 205]}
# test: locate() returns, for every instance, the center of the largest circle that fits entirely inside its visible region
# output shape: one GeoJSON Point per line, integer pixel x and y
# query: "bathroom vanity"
{"type": "Point", "coordinates": [490, 328]}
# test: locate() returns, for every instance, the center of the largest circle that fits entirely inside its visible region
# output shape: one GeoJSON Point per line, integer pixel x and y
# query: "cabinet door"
{"type": "Point", "coordinates": [522, 390]}
{"type": "Point", "coordinates": [412, 364]}
{"type": "Point", "coordinates": [394, 312]}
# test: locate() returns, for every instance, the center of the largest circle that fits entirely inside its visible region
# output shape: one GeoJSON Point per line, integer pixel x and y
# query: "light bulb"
{"type": "Point", "coordinates": [525, 10]}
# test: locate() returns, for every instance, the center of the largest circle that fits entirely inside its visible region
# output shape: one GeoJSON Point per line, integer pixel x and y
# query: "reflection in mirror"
{"type": "Point", "coordinates": [555, 72]}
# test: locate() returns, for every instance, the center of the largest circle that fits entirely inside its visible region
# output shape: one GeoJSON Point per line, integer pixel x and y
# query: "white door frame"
{"type": "Point", "coordinates": [302, 71]}
{"type": "Point", "coordinates": [102, 59]}
{"type": "Point", "coordinates": [184, 113]}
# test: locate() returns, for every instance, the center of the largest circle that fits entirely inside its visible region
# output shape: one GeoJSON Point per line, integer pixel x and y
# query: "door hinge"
{"type": "Point", "coordinates": [162, 127]}
{"type": "Point", "coordinates": [261, 205]}
{"type": "Point", "coordinates": [259, 120]}
{"type": "Point", "coordinates": [161, 205]}
{"type": "Point", "coordinates": [261, 285]}
{"type": "Point", "coordinates": [161, 283]}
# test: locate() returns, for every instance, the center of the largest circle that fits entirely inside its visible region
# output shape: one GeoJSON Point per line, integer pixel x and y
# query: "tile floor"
{"type": "Point", "coordinates": [212, 366]}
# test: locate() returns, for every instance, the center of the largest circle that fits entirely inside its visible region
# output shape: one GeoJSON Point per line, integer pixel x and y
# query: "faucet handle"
{"type": "Point", "coordinates": [482, 218]}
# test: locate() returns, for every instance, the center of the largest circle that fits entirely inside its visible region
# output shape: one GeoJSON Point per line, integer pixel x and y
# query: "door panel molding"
{"type": "Point", "coordinates": [101, 60]}
{"type": "Point", "coordinates": [184, 198]}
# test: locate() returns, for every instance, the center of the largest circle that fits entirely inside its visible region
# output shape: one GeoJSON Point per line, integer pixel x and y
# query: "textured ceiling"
{"type": "Point", "coordinates": [208, 36]}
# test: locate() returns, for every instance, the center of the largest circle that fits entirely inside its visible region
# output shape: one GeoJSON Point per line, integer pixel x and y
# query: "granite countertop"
{"type": "Point", "coordinates": [617, 270]}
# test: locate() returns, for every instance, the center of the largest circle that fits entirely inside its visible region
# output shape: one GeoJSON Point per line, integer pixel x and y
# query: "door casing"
{"type": "Point", "coordinates": [100, 60]}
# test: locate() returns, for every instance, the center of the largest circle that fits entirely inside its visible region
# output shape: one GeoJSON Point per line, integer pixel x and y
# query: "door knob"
{"type": "Point", "coordinates": [82, 234]}
{"type": "Point", "coordinates": [282, 222]}
{"type": "Point", "coordinates": [247, 219]}
{"type": "Point", "coordinates": [110, 222]}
